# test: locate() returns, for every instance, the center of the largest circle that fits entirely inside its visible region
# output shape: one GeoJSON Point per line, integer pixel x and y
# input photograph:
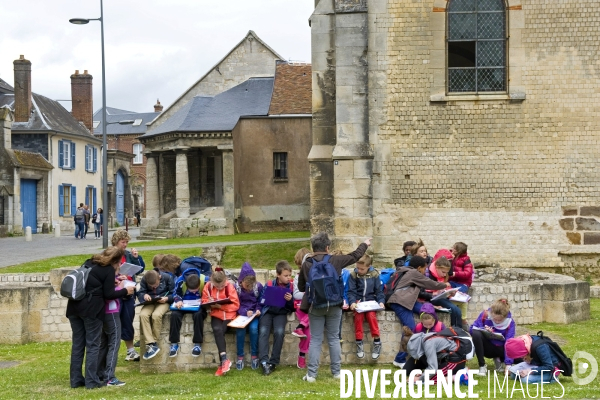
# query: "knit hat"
{"type": "Point", "coordinates": [515, 348]}
{"type": "Point", "coordinates": [427, 308]}
{"type": "Point", "coordinates": [246, 271]}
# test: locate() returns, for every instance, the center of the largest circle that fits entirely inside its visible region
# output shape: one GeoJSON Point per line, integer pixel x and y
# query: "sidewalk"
{"type": "Point", "coordinates": [16, 250]}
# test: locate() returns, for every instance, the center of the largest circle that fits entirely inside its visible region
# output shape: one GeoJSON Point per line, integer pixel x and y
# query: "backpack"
{"type": "Point", "coordinates": [199, 263]}
{"type": "Point", "coordinates": [95, 219]}
{"type": "Point", "coordinates": [73, 285]}
{"type": "Point", "coordinates": [79, 215]}
{"type": "Point", "coordinates": [464, 350]}
{"type": "Point", "coordinates": [324, 286]}
{"type": "Point", "coordinates": [180, 281]}
{"type": "Point", "coordinates": [566, 364]}
{"type": "Point", "coordinates": [386, 274]}
{"type": "Point", "coordinates": [392, 284]}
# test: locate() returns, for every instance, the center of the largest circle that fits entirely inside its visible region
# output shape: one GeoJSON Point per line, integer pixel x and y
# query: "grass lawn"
{"type": "Point", "coordinates": [43, 372]}
{"type": "Point", "coordinates": [225, 238]}
{"type": "Point", "coordinates": [259, 255]}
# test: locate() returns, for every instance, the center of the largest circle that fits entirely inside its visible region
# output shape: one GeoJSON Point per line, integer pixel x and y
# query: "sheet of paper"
{"type": "Point", "coordinates": [241, 321]}
{"type": "Point", "coordinates": [126, 284]}
{"type": "Point", "coordinates": [460, 297]}
{"type": "Point", "coordinates": [130, 269]}
{"type": "Point", "coordinates": [191, 303]}
{"type": "Point", "coordinates": [365, 306]}
{"type": "Point", "coordinates": [515, 368]}
{"type": "Point", "coordinates": [444, 294]}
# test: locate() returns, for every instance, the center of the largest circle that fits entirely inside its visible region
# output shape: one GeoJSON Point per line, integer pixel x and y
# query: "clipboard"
{"type": "Point", "coordinates": [153, 300]}
{"type": "Point", "coordinates": [220, 301]}
{"type": "Point", "coordinates": [444, 294]}
{"type": "Point", "coordinates": [241, 321]}
{"type": "Point", "coordinates": [273, 296]}
{"type": "Point", "coordinates": [491, 335]}
{"type": "Point", "coordinates": [188, 305]}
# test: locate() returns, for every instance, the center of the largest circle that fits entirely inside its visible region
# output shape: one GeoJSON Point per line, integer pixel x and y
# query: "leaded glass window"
{"type": "Point", "coordinates": [476, 46]}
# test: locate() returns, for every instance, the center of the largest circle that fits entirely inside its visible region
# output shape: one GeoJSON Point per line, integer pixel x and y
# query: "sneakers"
{"type": "Point", "coordinates": [132, 355]}
{"type": "Point", "coordinates": [465, 326]}
{"type": "Point", "coordinates": [360, 349]}
{"type": "Point", "coordinates": [499, 365]}
{"type": "Point", "coordinates": [255, 363]}
{"type": "Point", "coordinates": [115, 382]}
{"type": "Point", "coordinates": [196, 350]}
{"type": "Point", "coordinates": [151, 351]}
{"type": "Point", "coordinates": [309, 379]}
{"type": "Point", "coordinates": [136, 344]}
{"type": "Point", "coordinates": [266, 368]}
{"type": "Point", "coordinates": [301, 362]}
{"type": "Point", "coordinates": [398, 364]}
{"type": "Point", "coordinates": [239, 364]}
{"type": "Point", "coordinates": [174, 350]}
{"type": "Point", "coordinates": [226, 366]}
{"type": "Point", "coordinates": [336, 376]}
{"type": "Point", "coordinates": [482, 371]}
{"type": "Point", "coordinates": [376, 350]}
{"type": "Point", "coordinates": [219, 371]}
{"type": "Point", "coordinates": [299, 332]}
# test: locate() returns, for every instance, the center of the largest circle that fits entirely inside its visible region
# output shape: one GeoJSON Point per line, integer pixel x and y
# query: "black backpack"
{"type": "Point", "coordinates": [392, 284]}
{"type": "Point", "coordinates": [566, 365]}
{"type": "Point", "coordinates": [464, 345]}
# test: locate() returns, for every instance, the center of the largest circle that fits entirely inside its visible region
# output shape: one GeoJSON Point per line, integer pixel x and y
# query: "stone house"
{"type": "Point", "coordinates": [126, 161]}
{"type": "Point", "coordinates": [236, 161]}
{"type": "Point", "coordinates": [51, 162]}
{"type": "Point", "coordinates": [458, 120]}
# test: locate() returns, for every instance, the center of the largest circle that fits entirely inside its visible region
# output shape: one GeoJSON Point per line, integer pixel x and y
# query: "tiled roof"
{"type": "Point", "coordinates": [292, 90]}
{"type": "Point", "coordinates": [117, 129]}
{"type": "Point", "coordinates": [222, 112]}
{"type": "Point", "coordinates": [29, 159]}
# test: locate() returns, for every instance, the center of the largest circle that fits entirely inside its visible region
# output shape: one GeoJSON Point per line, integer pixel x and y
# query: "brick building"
{"type": "Point", "coordinates": [126, 160]}
{"type": "Point", "coordinates": [458, 120]}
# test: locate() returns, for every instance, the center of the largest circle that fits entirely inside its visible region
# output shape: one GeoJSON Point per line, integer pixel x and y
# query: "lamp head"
{"type": "Point", "coordinates": [79, 21]}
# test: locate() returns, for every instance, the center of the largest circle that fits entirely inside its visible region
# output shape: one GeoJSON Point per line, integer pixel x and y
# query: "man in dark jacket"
{"type": "Point", "coordinates": [329, 317]}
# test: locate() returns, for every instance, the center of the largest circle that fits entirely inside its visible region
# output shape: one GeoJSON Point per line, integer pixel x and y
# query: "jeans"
{"type": "Point", "coordinates": [241, 338]}
{"type": "Point", "coordinates": [320, 320]}
{"type": "Point", "coordinates": [79, 229]}
{"type": "Point", "coordinates": [455, 315]}
{"type": "Point", "coordinates": [278, 322]}
{"type": "Point", "coordinates": [85, 341]}
{"type": "Point", "coordinates": [548, 377]}
{"type": "Point", "coordinates": [109, 346]}
{"type": "Point", "coordinates": [97, 229]}
{"type": "Point", "coordinates": [407, 319]}
{"type": "Point", "coordinates": [461, 287]}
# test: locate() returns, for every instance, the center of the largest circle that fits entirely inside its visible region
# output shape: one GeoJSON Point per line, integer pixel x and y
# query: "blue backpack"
{"type": "Point", "coordinates": [180, 282]}
{"type": "Point", "coordinates": [199, 263]}
{"type": "Point", "coordinates": [386, 274]}
{"type": "Point", "coordinates": [325, 287]}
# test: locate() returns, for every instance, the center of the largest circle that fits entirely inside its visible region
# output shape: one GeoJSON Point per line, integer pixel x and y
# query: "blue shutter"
{"type": "Point", "coordinates": [61, 201]}
{"type": "Point", "coordinates": [86, 158]}
{"type": "Point", "coordinates": [72, 155]}
{"type": "Point", "coordinates": [95, 160]}
{"type": "Point", "coordinates": [87, 196]}
{"type": "Point", "coordinates": [95, 207]}
{"type": "Point", "coordinates": [73, 200]}
{"type": "Point", "coordinates": [60, 154]}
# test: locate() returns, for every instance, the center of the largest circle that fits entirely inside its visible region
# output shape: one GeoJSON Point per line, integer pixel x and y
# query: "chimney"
{"type": "Point", "coordinates": [158, 107]}
{"type": "Point", "coordinates": [22, 89]}
{"type": "Point", "coordinates": [81, 95]}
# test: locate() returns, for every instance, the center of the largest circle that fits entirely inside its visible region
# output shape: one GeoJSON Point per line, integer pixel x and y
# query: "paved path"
{"type": "Point", "coordinates": [16, 250]}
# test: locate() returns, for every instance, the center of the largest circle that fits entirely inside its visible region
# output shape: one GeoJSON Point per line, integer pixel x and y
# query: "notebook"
{"type": "Point", "coordinates": [273, 296]}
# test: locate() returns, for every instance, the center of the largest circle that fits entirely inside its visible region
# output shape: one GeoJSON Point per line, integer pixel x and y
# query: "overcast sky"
{"type": "Point", "coordinates": [154, 48]}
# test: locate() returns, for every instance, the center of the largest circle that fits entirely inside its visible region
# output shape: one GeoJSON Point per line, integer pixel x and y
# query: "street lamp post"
{"type": "Point", "coordinates": [83, 21]}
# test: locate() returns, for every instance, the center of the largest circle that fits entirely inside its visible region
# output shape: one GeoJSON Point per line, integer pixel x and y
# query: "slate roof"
{"type": "Point", "coordinates": [29, 159]}
{"type": "Point", "coordinates": [48, 115]}
{"type": "Point", "coordinates": [292, 90]}
{"type": "Point", "coordinates": [116, 115]}
{"type": "Point", "coordinates": [221, 112]}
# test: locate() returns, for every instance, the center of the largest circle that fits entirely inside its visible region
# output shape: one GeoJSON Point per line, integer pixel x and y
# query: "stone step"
{"type": "Point", "coordinates": [149, 237]}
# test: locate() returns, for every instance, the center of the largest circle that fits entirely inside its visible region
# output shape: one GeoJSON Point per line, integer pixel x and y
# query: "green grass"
{"type": "Point", "coordinates": [225, 238]}
{"type": "Point", "coordinates": [43, 372]}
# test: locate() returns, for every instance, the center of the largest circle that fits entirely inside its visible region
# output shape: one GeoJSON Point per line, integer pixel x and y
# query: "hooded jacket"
{"type": "Point", "coordinates": [166, 287]}
{"type": "Point", "coordinates": [484, 319]}
{"type": "Point", "coordinates": [248, 300]}
{"type": "Point", "coordinates": [427, 308]}
{"type": "Point", "coordinates": [365, 287]}
{"type": "Point", "coordinates": [462, 270]}
{"type": "Point", "coordinates": [409, 286]}
{"type": "Point", "coordinates": [227, 311]}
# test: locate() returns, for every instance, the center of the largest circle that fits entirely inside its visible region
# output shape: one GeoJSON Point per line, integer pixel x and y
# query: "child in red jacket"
{"type": "Point", "coordinates": [461, 275]}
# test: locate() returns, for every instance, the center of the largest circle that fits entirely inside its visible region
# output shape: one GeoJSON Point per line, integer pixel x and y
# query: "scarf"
{"type": "Point", "coordinates": [502, 325]}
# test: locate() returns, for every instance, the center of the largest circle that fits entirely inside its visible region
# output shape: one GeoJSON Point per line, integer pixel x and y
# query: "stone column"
{"type": "Point", "coordinates": [182, 182]}
{"type": "Point", "coordinates": [152, 193]}
{"type": "Point", "coordinates": [203, 178]}
{"type": "Point", "coordinates": [228, 184]}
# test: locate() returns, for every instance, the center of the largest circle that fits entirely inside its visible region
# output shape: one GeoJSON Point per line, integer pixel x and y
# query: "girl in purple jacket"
{"type": "Point", "coordinates": [495, 320]}
{"type": "Point", "coordinates": [249, 291]}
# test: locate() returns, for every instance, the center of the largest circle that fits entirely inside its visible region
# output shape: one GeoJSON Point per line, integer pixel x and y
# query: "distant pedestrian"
{"type": "Point", "coordinates": [79, 219]}
{"type": "Point", "coordinates": [97, 221]}
{"type": "Point", "coordinates": [86, 211]}
{"type": "Point", "coordinates": [138, 216]}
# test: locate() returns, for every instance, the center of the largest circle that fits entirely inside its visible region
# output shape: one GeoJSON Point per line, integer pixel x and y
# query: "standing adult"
{"type": "Point", "coordinates": [87, 316]}
{"type": "Point", "coordinates": [97, 221]}
{"type": "Point", "coordinates": [86, 214]}
{"type": "Point", "coordinates": [325, 318]}
{"type": "Point", "coordinates": [79, 219]}
{"type": "Point", "coordinates": [120, 239]}
{"type": "Point", "coordinates": [138, 216]}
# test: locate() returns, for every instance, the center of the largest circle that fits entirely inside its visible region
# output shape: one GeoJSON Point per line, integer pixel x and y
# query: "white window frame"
{"type": "Point", "coordinates": [66, 154]}
{"type": "Point", "coordinates": [90, 159]}
{"type": "Point", "coordinates": [139, 153]}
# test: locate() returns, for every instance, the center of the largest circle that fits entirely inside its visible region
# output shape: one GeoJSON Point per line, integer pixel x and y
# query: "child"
{"type": "Point", "coordinates": [219, 288]}
{"type": "Point", "coordinates": [188, 289]}
{"type": "Point", "coordinates": [276, 318]}
{"type": "Point", "coordinates": [495, 319]}
{"type": "Point", "coordinates": [400, 261]}
{"type": "Point", "coordinates": [462, 274]}
{"type": "Point", "coordinates": [438, 271]}
{"type": "Point", "coordinates": [418, 249]}
{"type": "Point", "coordinates": [365, 285]}
{"type": "Point", "coordinates": [154, 284]}
{"type": "Point", "coordinates": [404, 299]}
{"type": "Point", "coordinates": [249, 291]}
{"type": "Point", "coordinates": [429, 324]}
{"type": "Point", "coordinates": [303, 329]}
{"type": "Point", "coordinates": [544, 361]}
{"type": "Point", "coordinates": [110, 341]}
